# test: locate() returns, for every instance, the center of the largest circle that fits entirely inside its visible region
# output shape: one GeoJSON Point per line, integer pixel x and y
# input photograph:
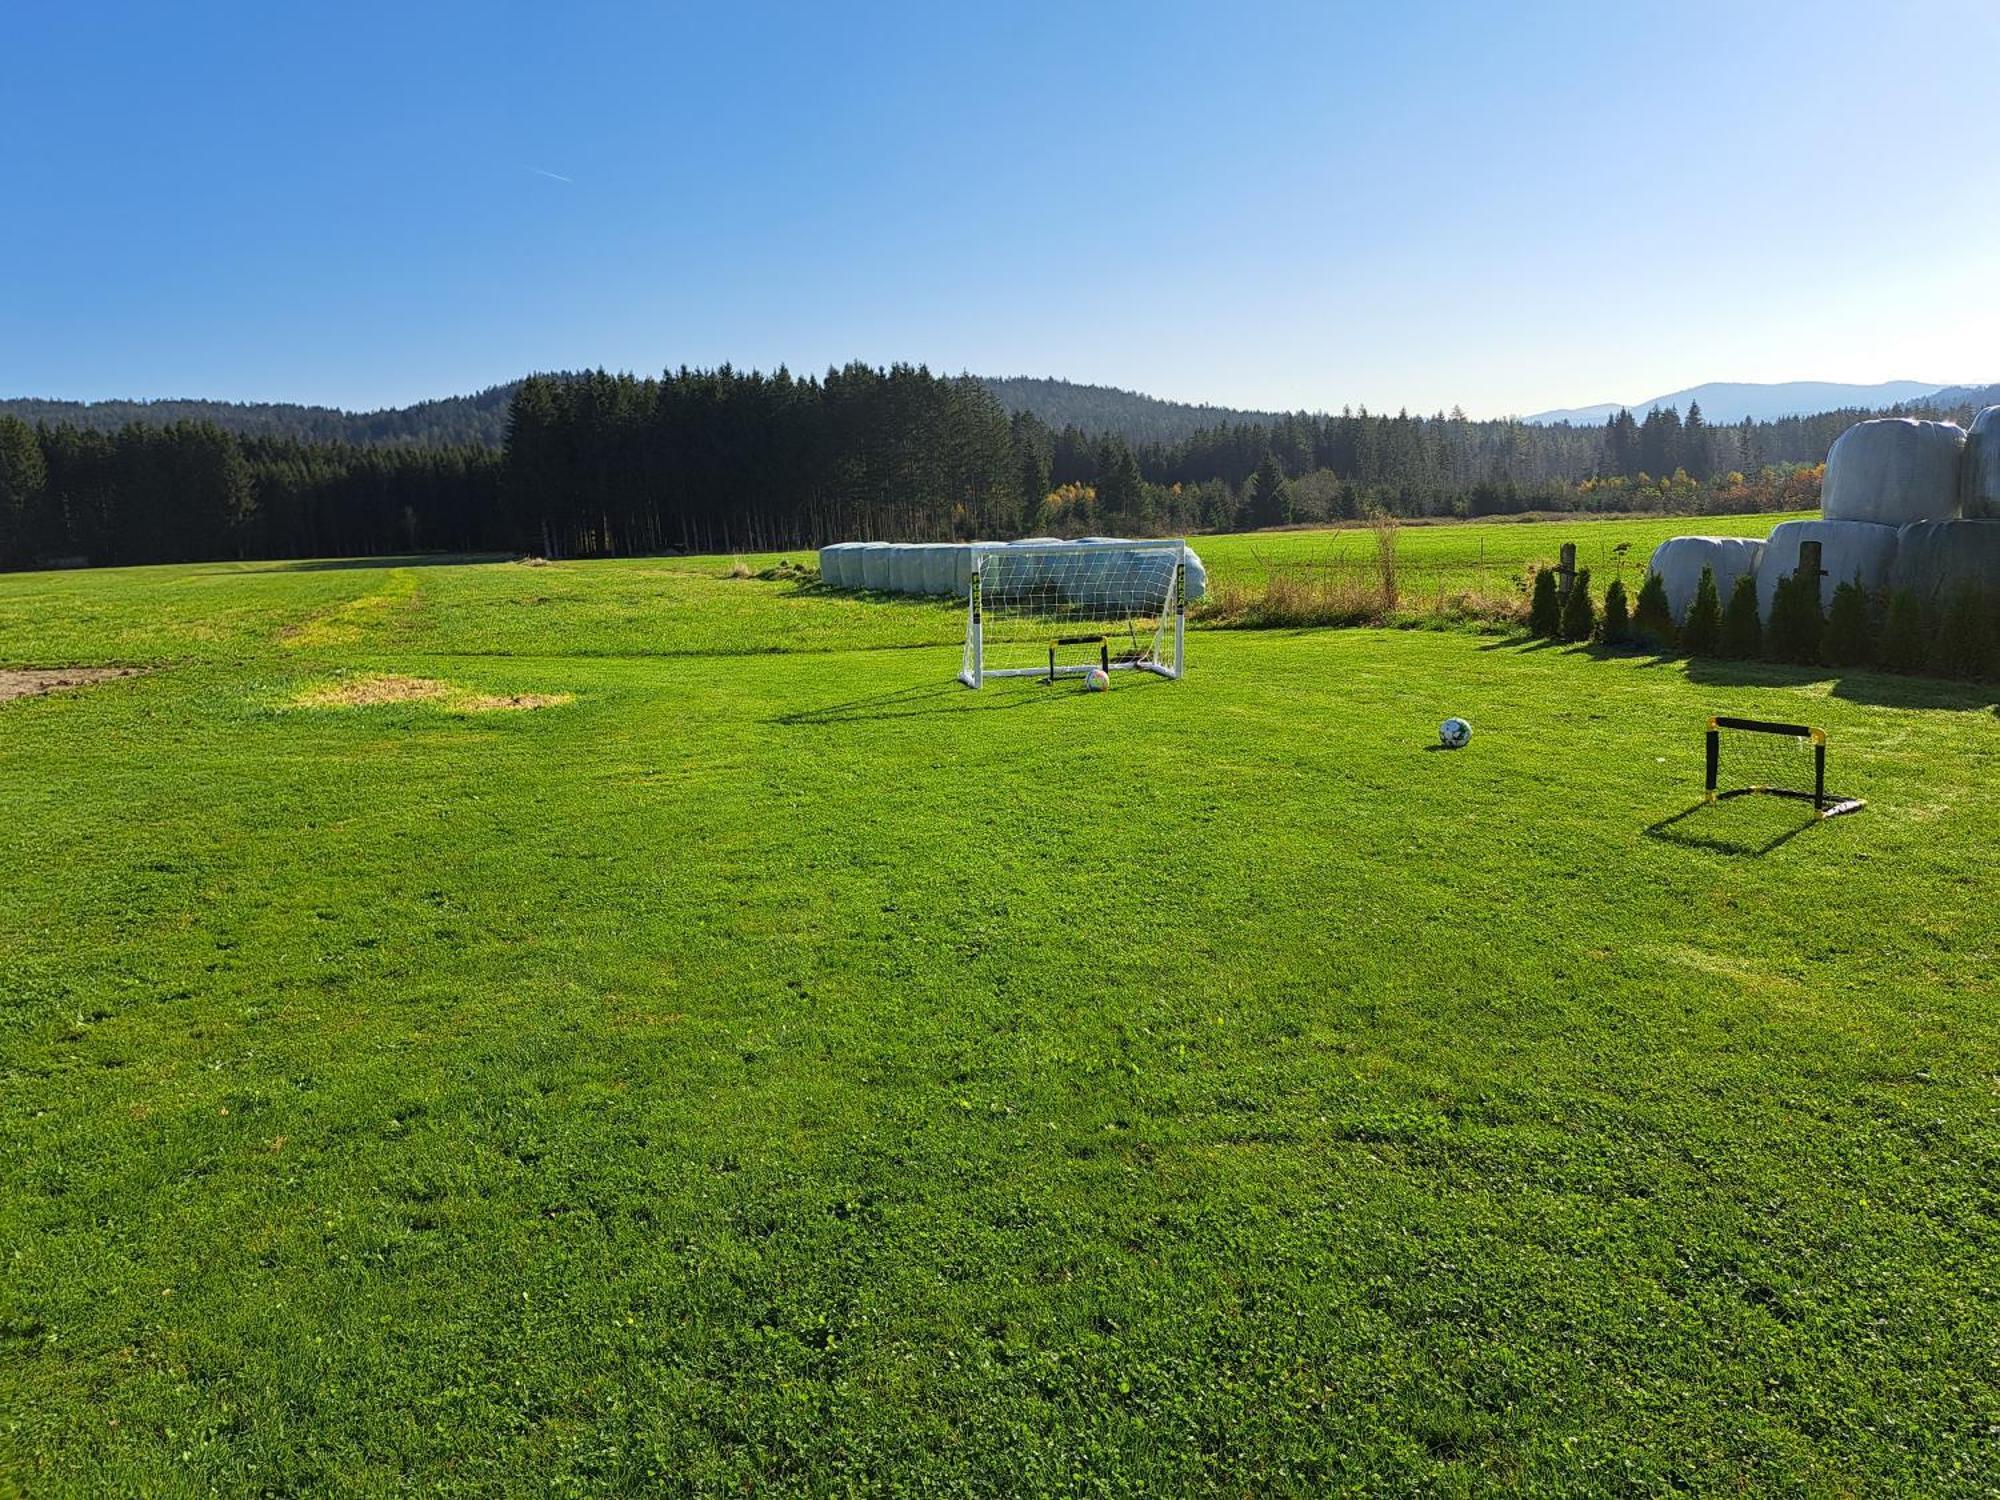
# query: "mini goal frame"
{"type": "Point", "coordinates": [1028, 606]}
{"type": "Point", "coordinates": [1824, 803]}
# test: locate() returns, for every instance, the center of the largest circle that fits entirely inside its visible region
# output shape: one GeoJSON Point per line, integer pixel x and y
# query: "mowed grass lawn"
{"type": "Point", "coordinates": [778, 1069]}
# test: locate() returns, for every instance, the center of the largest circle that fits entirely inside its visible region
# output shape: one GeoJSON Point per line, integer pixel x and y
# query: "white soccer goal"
{"type": "Point", "coordinates": [1057, 609]}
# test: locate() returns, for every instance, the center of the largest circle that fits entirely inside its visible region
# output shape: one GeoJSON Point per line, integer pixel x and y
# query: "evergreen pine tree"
{"type": "Point", "coordinates": [1701, 631]}
{"type": "Point", "coordinates": [1269, 502]}
{"type": "Point", "coordinates": [1653, 622]}
{"type": "Point", "coordinates": [1545, 609]}
{"type": "Point", "coordinates": [1579, 613]}
{"type": "Point", "coordinates": [1847, 641]}
{"type": "Point", "coordinates": [1796, 621]}
{"type": "Point", "coordinates": [23, 474]}
{"type": "Point", "coordinates": [1616, 628]}
{"type": "Point", "coordinates": [1902, 647]}
{"type": "Point", "coordinates": [1742, 632]}
{"type": "Point", "coordinates": [1696, 455]}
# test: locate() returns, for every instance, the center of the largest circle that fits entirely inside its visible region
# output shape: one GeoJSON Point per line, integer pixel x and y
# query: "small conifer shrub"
{"type": "Point", "coordinates": [1903, 647]}
{"type": "Point", "coordinates": [1701, 631]}
{"type": "Point", "coordinates": [1849, 638]}
{"type": "Point", "coordinates": [1796, 621]}
{"type": "Point", "coordinates": [1653, 620]}
{"type": "Point", "coordinates": [1579, 614]}
{"type": "Point", "coordinates": [1545, 609]}
{"type": "Point", "coordinates": [1742, 630]}
{"type": "Point", "coordinates": [1616, 627]}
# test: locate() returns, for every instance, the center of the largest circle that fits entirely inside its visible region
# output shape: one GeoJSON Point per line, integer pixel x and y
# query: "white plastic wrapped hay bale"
{"type": "Point", "coordinates": [1934, 559]}
{"type": "Point", "coordinates": [875, 565]}
{"type": "Point", "coordinates": [1197, 577]}
{"type": "Point", "coordinates": [1097, 563]}
{"type": "Point", "coordinates": [1979, 469]}
{"type": "Point", "coordinates": [906, 568]}
{"type": "Point", "coordinates": [959, 560]}
{"type": "Point", "coordinates": [1848, 549]}
{"type": "Point", "coordinates": [938, 567]}
{"type": "Point", "coordinates": [839, 565]}
{"type": "Point", "coordinates": [1892, 471]}
{"type": "Point", "coordinates": [1680, 559]}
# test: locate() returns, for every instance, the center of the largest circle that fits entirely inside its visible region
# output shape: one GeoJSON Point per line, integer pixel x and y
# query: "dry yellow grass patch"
{"type": "Point", "coordinates": [381, 689]}
{"type": "Point", "coordinates": [27, 682]}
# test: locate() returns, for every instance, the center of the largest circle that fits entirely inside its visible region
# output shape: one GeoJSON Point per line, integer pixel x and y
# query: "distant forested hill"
{"type": "Point", "coordinates": [1096, 410]}
{"type": "Point", "coordinates": [1101, 409]}
{"type": "Point", "coordinates": [455, 421]}
{"type": "Point", "coordinates": [1961, 398]}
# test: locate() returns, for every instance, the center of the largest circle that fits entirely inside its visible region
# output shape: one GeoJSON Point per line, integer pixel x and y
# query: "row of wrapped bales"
{"type": "Point", "coordinates": [1102, 569]}
{"type": "Point", "coordinates": [1848, 550]}
{"type": "Point", "coordinates": [1679, 562]}
{"type": "Point", "coordinates": [1893, 471]}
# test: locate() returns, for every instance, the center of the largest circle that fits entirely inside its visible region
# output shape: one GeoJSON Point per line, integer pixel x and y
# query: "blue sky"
{"type": "Point", "coordinates": [1310, 205]}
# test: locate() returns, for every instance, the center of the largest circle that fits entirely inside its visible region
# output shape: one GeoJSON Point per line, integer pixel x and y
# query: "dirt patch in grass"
{"type": "Point", "coordinates": [26, 682]}
{"type": "Point", "coordinates": [378, 691]}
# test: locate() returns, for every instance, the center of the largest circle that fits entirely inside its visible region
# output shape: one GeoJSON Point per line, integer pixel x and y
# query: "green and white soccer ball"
{"type": "Point", "coordinates": [1097, 681]}
{"type": "Point", "coordinates": [1454, 734]}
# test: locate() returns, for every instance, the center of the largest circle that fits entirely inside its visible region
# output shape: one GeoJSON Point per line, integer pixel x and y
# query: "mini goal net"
{"type": "Point", "coordinates": [1057, 609]}
{"type": "Point", "coordinates": [1753, 757]}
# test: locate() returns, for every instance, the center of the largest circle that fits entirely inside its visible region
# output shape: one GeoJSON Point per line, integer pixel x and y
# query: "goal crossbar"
{"type": "Point", "coordinates": [1027, 605]}
{"type": "Point", "coordinates": [1787, 784]}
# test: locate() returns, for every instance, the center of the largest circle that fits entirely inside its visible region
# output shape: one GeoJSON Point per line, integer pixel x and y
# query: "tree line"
{"type": "Point", "coordinates": [595, 463]}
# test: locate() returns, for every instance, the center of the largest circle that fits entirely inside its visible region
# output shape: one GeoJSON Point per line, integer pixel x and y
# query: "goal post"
{"type": "Point", "coordinates": [1057, 609]}
{"type": "Point", "coordinates": [1770, 759]}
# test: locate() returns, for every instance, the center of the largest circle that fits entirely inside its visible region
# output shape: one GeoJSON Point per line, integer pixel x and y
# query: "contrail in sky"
{"type": "Point", "coordinates": [556, 175]}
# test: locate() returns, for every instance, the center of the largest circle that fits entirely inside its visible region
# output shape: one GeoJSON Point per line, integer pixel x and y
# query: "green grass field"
{"type": "Point", "coordinates": [778, 1069]}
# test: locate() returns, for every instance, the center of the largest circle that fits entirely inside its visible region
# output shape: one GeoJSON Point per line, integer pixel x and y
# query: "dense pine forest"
{"type": "Point", "coordinates": [718, 460]}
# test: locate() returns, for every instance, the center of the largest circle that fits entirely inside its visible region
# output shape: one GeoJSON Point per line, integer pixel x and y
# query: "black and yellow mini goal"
{"type": "Point", "coordinates": [1775, 756]}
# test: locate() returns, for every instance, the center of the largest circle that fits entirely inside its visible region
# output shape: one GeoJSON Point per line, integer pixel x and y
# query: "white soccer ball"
{"type": "Point", "coordinates": [1098, 680]}
{"type": "Point", "coordinates": [1454, 734]}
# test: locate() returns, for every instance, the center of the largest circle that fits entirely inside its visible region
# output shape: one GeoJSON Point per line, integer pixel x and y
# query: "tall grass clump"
{"type": "Point", "coordinates": [1385, 526]}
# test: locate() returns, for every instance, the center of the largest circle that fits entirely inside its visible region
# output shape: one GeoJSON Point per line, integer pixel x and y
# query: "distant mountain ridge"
{"type": "Point", "coordinates": [1732, 401]}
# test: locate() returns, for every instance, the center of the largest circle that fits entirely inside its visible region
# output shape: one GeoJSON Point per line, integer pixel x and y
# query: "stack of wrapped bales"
{"type": "Point", "coordinates": [1906, 504]}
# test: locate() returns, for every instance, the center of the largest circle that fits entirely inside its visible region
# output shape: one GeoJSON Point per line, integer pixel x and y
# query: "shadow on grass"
{"type": "Point", "coordinates": [951, 698]}
{"type": "Point", "coordinates": [1744, 829]}
{"type": "Point", "coordinates": [1879, 689]}
{"type": "Point", "coordinates": [1853, 685]}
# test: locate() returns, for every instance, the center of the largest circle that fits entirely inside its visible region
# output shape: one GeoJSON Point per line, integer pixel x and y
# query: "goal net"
{"type": "Point", "coordinates": [1753, 757]}
{"type": "Point", "coordinates": [1057, 609]}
